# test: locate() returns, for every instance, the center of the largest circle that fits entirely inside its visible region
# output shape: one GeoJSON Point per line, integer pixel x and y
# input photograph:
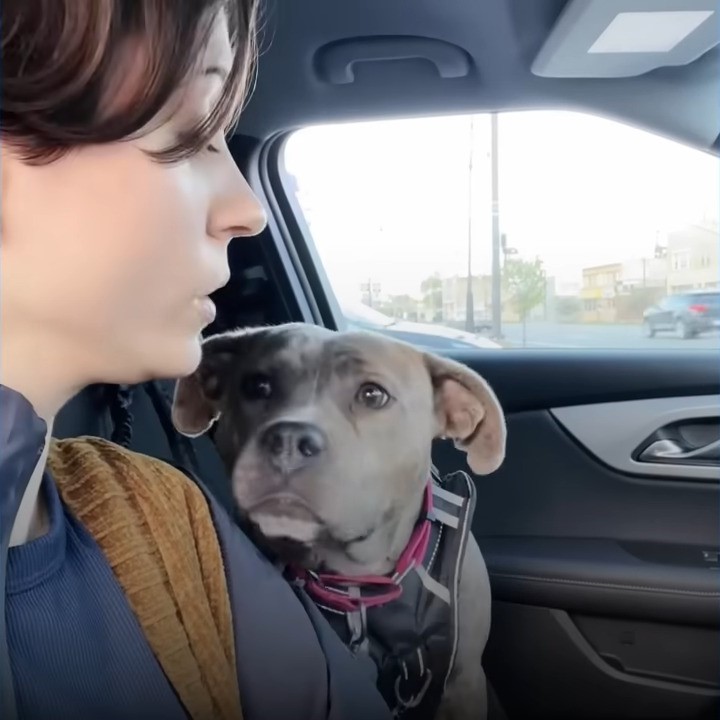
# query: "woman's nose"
{"type": "Point", "coordinates": [236, 211]}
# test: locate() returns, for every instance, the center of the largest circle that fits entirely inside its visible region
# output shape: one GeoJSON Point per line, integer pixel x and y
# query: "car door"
{"type": "Point", "coordinates": [601, 538]}
{"type": "Point", "coordinates": [664, 316]}
{"type": "Point", "coordinates": [600, 530]}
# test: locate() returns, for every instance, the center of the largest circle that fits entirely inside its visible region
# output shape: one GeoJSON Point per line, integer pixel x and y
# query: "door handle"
{"type": "Point", "coordinates": [666, 450]}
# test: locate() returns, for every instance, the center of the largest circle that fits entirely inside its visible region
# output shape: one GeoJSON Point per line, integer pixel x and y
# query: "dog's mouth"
{"type": "Point", "coordinates": [285, 516]}
{"type": "Point", "coordinates": [283, 505]}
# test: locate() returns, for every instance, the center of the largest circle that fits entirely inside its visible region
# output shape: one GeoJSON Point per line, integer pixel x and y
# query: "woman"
{"type": "Point", "coordinates": [119, 198]}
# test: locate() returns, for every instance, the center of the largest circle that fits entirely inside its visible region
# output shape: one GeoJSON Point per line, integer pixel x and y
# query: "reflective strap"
{"type": "Point", "coordinates": [444, 517]}
{"type": "Point", "coordinates": [432, 585]}
{"type": "Point", "coordinates": [421, 661]}
{"type": "Point", "coordinates": [464, 534]}
{"type": "Point", "coordinates": [446, 495]}
{"type": "Point", "coordinates": [357, 623]}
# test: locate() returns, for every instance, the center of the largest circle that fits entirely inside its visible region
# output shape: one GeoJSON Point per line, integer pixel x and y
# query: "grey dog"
{"type": "Point", "coordinates": [327, 437]}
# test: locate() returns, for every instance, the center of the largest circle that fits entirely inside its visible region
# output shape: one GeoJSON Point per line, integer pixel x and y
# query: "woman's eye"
{"type": "Point", "coordinates": [373, 396]}
{"type": "Point", "coordinates": [213, 148]}
{"type": "Point", "coordinates": [257, 387]}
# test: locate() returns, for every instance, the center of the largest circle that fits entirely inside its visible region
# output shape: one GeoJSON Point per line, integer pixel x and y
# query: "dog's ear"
{"type": "Point", "coordinates": [468, 411]}
{"type": "Point", "coordinates": [196, 402]}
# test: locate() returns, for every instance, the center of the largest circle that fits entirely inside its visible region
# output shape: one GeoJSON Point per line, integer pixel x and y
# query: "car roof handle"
{"type": "Point", "coordinates": [335, 62]}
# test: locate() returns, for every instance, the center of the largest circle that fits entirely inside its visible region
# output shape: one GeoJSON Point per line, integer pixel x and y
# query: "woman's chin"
{"type": "Point", "coordinates": [186, 360]}
{"type": "Point", "coordinates": [174, 359]}
{"type": "Point", "coordinates": [163, 359]}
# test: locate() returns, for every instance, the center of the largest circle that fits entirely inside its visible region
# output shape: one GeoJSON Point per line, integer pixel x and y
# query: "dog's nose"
{"type": "Point", "coordinates": [292, 445]}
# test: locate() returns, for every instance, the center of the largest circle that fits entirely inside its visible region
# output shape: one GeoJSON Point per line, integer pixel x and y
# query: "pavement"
{"type": "Point", "coordinates": [560, 335]}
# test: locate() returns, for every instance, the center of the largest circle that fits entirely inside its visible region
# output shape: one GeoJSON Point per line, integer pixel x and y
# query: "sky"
{"type": "Point", "coordinates": [391, 201]}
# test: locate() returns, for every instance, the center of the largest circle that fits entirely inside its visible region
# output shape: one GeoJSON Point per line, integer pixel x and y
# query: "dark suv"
{"type": "Point", "coordinates": [687, 314]}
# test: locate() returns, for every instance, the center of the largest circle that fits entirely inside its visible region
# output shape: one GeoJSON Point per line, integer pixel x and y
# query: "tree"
{"type": "Point", "coordinates": [525, 283]}
{"type": "Point", "coordinates": [432, 295]}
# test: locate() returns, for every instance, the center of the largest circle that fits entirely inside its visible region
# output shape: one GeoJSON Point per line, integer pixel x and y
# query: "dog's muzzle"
{"type": "Point", "coordinates": [291, 446]}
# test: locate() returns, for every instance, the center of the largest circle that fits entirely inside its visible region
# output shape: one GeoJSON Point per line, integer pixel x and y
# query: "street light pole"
{"type": "Point", "coordinates": [496, 281]}
{"type": "Point", "coordinates": [469, 300]}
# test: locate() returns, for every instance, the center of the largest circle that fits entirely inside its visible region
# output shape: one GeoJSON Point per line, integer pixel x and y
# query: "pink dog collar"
{"type": "Point", "coordinates": [347, 594]}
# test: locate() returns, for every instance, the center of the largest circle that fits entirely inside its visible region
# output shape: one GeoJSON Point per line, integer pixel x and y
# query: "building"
{"type": "Point", "coordinates": [454, 298]}
{"type": "Point", "coordinates": [643, 273]}
{"type": "Point", "coordinates": [693, 261]}
{"type": "Point", "coordinates": [620, 292]}
{"type": "Point", "coordinates": [599, 291]}
{"type": "Point", "coordinates": [642, 283]}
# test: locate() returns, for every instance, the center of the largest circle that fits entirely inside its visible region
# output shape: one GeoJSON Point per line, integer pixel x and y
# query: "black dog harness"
{"type": "Point", "coordinates": [408, 621]}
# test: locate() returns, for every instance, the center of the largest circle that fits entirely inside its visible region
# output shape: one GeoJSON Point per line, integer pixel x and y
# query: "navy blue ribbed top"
{"type": "Point", "coordinates": [76, 648]}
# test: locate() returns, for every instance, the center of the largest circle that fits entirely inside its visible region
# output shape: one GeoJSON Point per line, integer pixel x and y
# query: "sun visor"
{"type": "Point", "coordinates": [621, 38]}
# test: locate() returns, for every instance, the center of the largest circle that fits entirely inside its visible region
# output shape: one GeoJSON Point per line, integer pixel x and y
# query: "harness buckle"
{"type": "Point", "coordinates": [414, 700]}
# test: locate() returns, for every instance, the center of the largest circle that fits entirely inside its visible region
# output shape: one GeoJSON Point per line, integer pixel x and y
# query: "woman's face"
{"type": "Point", "coordinates": [108, 256]}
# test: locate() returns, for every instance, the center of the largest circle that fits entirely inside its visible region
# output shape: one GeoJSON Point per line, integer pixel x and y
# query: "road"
{"type": "Point", "coordinates": [558, 335]}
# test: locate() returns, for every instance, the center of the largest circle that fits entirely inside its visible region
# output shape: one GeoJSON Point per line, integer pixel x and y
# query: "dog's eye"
{"type": "Point", "coordinates": [257, 387]}
{"type": "Point", "coordinates": [373, 396]}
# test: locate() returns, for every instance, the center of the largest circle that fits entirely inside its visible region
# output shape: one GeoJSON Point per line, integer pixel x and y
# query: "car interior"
{"type": "Point", "coordinates": [602, 541]}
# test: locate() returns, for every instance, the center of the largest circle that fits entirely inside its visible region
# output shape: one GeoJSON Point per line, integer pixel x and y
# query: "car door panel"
{"type": "Point", "coordinates": [619, 434]}
{"type": "Point", "coordinates": [531, 379]}
{"type": "Point", "coordinates": [597, 576]}
{"type": "Point", "coordinates": [606, 586]}
{"type": "Point", "coordinates": [666, 315]}
{"type": "Point", "coordinates": [565, 676]}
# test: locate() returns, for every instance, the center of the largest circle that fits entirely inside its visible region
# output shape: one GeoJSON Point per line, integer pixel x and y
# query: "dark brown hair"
{"type": "Point", "coordinates": [61, 60]}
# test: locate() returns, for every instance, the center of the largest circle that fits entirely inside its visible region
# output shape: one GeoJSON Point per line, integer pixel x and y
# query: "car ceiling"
{"type": "Point", "coordinates": [492, 45]}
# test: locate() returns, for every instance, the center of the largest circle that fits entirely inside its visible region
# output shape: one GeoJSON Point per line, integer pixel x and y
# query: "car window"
{"type": "Point", "coordinates": [531, 229]}
{"type": "Point", "coordinates": [707, 299]}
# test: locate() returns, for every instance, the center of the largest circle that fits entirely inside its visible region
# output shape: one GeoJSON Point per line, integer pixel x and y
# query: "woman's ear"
{"type": "Point", "coordinates": [468, 412]}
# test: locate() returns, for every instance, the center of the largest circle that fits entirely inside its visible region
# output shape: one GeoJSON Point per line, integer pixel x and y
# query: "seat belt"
{"type": "Point", "coordinates": [120, 403]}
{"type": "Point", "coordinates": [182, 450]}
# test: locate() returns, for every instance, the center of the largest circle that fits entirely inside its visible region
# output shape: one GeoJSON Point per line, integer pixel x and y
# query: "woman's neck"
{"type": "Point", "coordinates": [42, 368]}
{"type": "Point", "coordinates": [38, 367]}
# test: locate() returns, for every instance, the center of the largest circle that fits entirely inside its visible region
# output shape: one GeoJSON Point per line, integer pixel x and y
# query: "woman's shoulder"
{"type": "Point", "coordinates": [107, 487]}
{"type": "Point", "coordinates": [118, 494]}
{"type": "Point", "coordinates": [95, 466]}
{"type": "Point", "coordinates": [155, 529]}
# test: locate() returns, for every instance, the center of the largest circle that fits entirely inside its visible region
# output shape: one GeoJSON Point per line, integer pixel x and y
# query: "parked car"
{"type": "Point", "coordinates": [427, 336]}
{"type": "Point", "coordinates": [687, 314]}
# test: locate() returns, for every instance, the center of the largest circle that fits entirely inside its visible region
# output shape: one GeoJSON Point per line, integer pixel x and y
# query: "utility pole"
{"type": "Point", "coordinates": [469, 300]}
{"type": "Point", "coordinates": [496, 279]}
